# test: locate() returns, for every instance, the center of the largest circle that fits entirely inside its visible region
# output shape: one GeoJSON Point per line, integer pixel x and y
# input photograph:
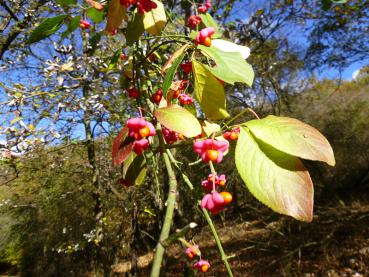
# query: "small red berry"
{"type": "Point", "coordinates": [226, 135]}
{"type": "Point", "coordinates": [84, 24]}
{"type": "Point", "coordinates": [202, 9]}
{"type": "Point", "coordinates": [123, 56]}
{"type": "Point", "coordinates": [157, 96]}
{"type": "Point", "coordinates": [233, 136]}
{"type": "Point", "coordinates": [187, 67]}
{"type": "Point", "coordinates": [134, 93]}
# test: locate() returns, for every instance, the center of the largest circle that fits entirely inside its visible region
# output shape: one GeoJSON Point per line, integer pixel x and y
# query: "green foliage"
{"type": "Point", "coordinates": [46, 28]}
{"type": "Point", "coordinates": [327, 106]}
{"type": "Point", "coordinates": [293, 137]}
{"type": "Point", "coordinates": [95, 15]}
{"type": "Point", "coordinates": [168, 79]}
{"type": "Point", "coordinates": [209, 92]}
{"type": "Point", "coordinates": [72, 26]}
{"type": "Point", "coordinates": [230, 67]}
{"type": "Point", "coordinates": [135, 169]}
{"type": "Point", "coordinates": [135, 29]}
{"type": "Point", "coordinates": [275, 178]}
{"type": "Point", "coordinates": [66, 2]}
{"type": "Point", "coordinates": [179, 120]}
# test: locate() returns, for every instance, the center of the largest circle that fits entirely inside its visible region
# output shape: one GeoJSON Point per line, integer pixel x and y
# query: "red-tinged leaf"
{"type": "Point", "coordinates": [116, 14]}
{"type": "Point", "coordinates": [178, 119]}
{"type": "Point", "coordinates": [122, 147]}
{"type": "Point", "coordinates": [293, 137]}
{"type": "Point", "coordinates": [275, 178]}
{"type": "Point", "coordinates": [95, 4]}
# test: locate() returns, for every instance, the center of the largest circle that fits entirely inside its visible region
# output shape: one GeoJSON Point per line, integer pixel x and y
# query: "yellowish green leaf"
{"type": "Point", "coordinates": [209, 92]}
{"type": "Point", "coordinates": [155, 20]}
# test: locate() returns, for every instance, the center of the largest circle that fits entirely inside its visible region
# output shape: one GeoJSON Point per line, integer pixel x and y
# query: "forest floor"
{"type": "Point", "coordinates": [335, 244]}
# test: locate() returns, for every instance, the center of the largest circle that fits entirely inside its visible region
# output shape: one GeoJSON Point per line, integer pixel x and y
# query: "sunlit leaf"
{"type": "Point", "coordinates": [95, 15]}
{"type": "Point", "coordinates": [293, 137]}
{"type": "Point", "coordinates": [209, 92]}
{"type": "Point", "coordinates": [155, 20]}
{"type": "Point", "coordinates": [230, 66]}
{"type": "Point", "coordinates": [116, 14]}
{"type": "Point", "coordinates": [46, 28]}
{"type": "Point", "coordinates": [227, 46]}
{"type": "Point", "coordinates": [179, 120]}
{"type": "Point", "coordinates": [210, 128]}
{"type": "Point", "coordinates": [275, 178]}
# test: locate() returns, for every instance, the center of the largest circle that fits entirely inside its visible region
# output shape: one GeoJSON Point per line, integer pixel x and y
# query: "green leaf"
{"type": "Point", "coordinates": [192, 109]}
{"type": "Point", "coordinates": [209, 92]}
{"type": "Point", "coordinates": [293, 137]}
{"type": "Point", "coordinates": [326, 4]}
{"type": "Point", "coordinates": [228, 46]}
{"type": "Point", "coordinates": [114, 60]}
{"type": "Point", "coordinates": [95, 15]}
{"type": "Point", "coordinates": [72, 26]}
{"type": "Point", "coordinates": [134, 169]}
{"type": "Point", "coordinates": [46, 28]}
{"type": "Point", "coordinates": [230, 66]}
{"type": "Point", "coordinates": [168, 79]}
{"type": "Point", "coordinates": [66, 2]}
{"type": "Point", "coordinates": [155, 20]}
{"type": "Point", "coordinates": [135, 29]}
{"type": "Point", "coordinates": [192, 34]}
{"type": "Point", "coordinates": [94, 40]}
{"type": "Point", "coordinates": [277, 179]}
{"type": "Point", "coordinates": [179, 120]}
{"type": "Point", "coordinates": [208, 21]}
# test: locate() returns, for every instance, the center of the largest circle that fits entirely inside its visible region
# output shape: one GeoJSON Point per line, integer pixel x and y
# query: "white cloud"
{"type": "Point", "coordinates": [355, 74]}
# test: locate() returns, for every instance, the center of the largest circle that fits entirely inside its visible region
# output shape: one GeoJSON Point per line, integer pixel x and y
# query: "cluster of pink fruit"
{"type": "Point", "coordinates": [211, 150]}
{"type": "Point", "coordinates": [201, 265]}
{"type": "Point", "coordinates": [140, 130]}
{"type": "Point", "coordinates": [204, 36]}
